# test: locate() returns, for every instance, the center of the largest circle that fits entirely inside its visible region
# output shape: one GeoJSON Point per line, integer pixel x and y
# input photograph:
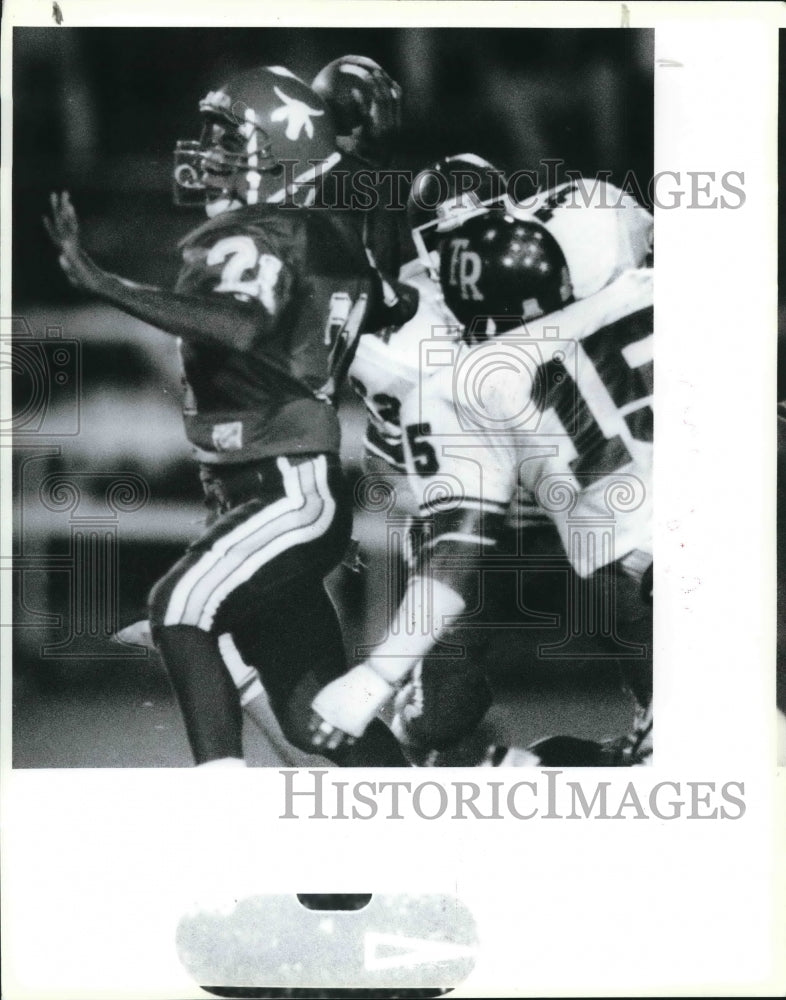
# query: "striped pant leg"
{"type": "Point", "coordinates": [238, 578]}
{"type": "Point", "coordinates": [297, 531]}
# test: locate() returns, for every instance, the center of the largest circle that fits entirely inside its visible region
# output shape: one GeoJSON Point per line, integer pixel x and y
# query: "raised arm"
{"type": "Point", "coordinates": [218, 320]}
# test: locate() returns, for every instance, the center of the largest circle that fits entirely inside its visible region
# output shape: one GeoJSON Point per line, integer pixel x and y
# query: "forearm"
{"type": "Point", "coordinates": [429, 607]}
{"type": "Point", "coordinates": [349, 703]}
{"type": "Point", "coordinates": [215, 321]}
{"type": "Point", "coordinates": [441, 589]}
{"type": "Point", "coordinates": [436, 595]}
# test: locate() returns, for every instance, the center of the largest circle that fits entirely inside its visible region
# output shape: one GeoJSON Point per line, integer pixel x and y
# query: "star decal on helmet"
{"type": "Point", "coordinates": [297, 113]}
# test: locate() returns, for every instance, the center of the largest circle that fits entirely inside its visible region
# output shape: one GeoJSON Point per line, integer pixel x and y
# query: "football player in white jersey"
{"type": "Point", "coordinates": [548, 417]}
{"type": "Point", "coordinates": [387, 366]}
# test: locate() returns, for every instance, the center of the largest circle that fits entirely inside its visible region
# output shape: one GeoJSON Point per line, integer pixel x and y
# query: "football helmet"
{"type": "Point", "coordinates": [267, 138]}
{"type": "Point", "coordinates": [497, 271]}
{"type": "Point", "coordinates": [366, 105]}
{"type": "Point", "coordinates": [601, 229]}
{"type": "Point", "coordinates": [447, 193]}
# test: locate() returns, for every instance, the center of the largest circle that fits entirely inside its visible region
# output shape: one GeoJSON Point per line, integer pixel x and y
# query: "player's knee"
{"type": "Point", "coordinates": [445, 701]}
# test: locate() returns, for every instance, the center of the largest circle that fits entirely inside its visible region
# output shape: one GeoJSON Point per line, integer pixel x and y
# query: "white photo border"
{"type": "Point", "coordinates": [99, 865]}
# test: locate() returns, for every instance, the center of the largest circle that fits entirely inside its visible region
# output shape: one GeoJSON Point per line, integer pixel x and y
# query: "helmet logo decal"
{"type": "Point", "coordinates": [465, 268]}
{"type": "Point", "coordinates": [297, 114]}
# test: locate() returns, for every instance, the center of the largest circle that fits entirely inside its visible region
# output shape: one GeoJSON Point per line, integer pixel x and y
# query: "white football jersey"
{"type": "Point", "coordinates": [557, 413]}
{"type": "Point", "coordinates": [386, 369]}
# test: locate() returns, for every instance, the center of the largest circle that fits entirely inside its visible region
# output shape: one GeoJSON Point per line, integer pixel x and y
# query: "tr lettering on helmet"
{"type": "Point", "coordinates": [497, 266]}
{"type": "Point", "coordinates": [465, 268]}
{"type": "Point", "coordinates": [446, 194]}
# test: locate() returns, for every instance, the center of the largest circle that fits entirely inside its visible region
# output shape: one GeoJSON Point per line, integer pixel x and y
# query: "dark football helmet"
{"type": "Point", "coordinates": [497, 271]}
{"type": "Point", "coordinates": [366, 105]}
{"type": "Point", "coordinates": [444, 195]}
{"type": "Point", "coordinates": [266, 138]}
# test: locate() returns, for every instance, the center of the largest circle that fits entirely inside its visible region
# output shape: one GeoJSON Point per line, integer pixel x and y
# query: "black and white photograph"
{"type": "Point", "coordinates": [333, 397]}
{"type": "Point", "coordinates": [377, 528]}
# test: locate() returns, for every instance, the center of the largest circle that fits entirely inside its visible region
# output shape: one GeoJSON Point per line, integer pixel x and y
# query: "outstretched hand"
{"type": "Point", "coordinates": [63, 230]}
{"type": "Point", "coordinates": [343, 708]}
{"type": "Point", "coordinates": [323, 735]}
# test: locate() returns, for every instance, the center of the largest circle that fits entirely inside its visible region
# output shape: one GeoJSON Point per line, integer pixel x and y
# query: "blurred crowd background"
{"type": "Point", "coordinates": [105, 492]}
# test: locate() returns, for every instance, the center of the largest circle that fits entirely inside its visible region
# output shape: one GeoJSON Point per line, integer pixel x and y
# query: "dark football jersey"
{"type": "Point", "coordinates": [307, 278]}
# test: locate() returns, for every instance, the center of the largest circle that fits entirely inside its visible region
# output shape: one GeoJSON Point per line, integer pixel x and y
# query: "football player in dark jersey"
{"type": "Point", "coordinates": [269, 304]}
{"type": "Point", "coordinates": [366, 107]}
{"type": "Point", "coordinates": [532, 450]}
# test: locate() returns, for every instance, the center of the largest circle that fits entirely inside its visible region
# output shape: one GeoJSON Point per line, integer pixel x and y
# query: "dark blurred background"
{"type": "Point", "coordinates": [96, 395]}
{"type": "Point", "coordinates": [99, 110]}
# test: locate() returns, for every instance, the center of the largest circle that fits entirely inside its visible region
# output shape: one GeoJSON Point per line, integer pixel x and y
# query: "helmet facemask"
{"type": "Point", "coordinates": [449, 215]}
{"type": "Point", "coordinates": [225, 166]}
{"type": "Point", "coordinates": [440, 201]}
